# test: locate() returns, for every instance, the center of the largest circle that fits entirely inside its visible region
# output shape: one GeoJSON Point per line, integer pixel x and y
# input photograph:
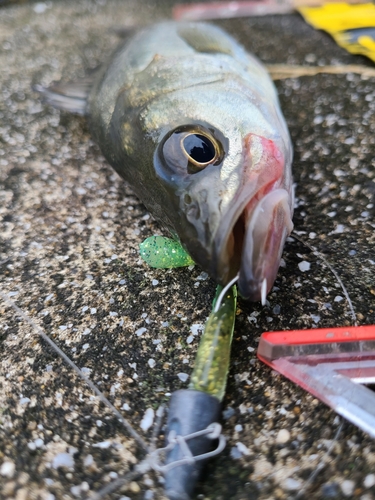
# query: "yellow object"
{"type": "Point", "coordinates": [352, 26]}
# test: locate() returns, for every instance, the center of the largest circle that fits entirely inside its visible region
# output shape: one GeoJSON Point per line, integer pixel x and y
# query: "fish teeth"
{"type": "Point", "coordinates": [264, 292]}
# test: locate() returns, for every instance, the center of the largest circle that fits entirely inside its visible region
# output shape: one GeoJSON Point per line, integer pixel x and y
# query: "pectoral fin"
{"type": "Point", "coordinates": [68, 96]}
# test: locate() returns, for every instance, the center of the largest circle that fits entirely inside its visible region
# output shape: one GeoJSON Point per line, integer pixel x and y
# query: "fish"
{"type": "Point", "coordinates": [193, 123]}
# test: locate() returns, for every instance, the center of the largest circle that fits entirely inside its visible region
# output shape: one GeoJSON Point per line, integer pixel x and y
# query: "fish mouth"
{"type": "Point", "coordinates": [259, 222]}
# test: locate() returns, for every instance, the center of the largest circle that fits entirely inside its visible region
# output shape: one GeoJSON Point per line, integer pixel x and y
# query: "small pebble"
{"type": "Point", "coordinates": [315, 318]}
{"type": "Point", "coordinates": [62, 460]}
{"type": "Point", "coordinates": [39, 443]}
{"type": "Point", "coordinates": [103, 445]}
{"type": "Point", "coordinates": [85, 486]}
{"type": "Point", "coordinates": [283, 436]}
{"type": "Point", "coordinates": [7, 469]}
{"type": "Point", "coordinates": [369, 481]}
{"type": "Point", "coordinates": [203, 276]}
{"type": "Point", "coordinates": [196, 328]}
{"type": "Point", "coordinates": [304, 266]}
{"type": "Point", "coordinates": [276, 309]}
{"type": "Point", "coordinates": [140, 331]}
{"type": "Point", "coordinates": [340, 228]}
{"type": "Point", "coordinates": [134, 487]}
{"type": "Point", "coordinates": [347, 487]}
{"type": "Point", "coordinates": [75, 490]}
{"type": "Point", "coordinates": [183, 376]}
{"type": "Point", "coordinates": [291, 484]}
{"type": "Point", "coordinates": [148, 419]}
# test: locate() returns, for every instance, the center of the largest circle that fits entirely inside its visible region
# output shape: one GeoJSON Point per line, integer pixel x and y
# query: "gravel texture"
{"type": "Point", "coordinates": [69, 237]}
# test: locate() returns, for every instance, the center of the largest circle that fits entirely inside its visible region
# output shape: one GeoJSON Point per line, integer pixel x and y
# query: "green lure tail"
{"type": "Point", "coordinates": [164, 253]}
{"type": "Point", "coordinates": [212, 360]}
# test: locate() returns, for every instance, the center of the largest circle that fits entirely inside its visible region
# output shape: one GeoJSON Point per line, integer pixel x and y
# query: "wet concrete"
{"type": "Point", "coordinates": [70, 230]}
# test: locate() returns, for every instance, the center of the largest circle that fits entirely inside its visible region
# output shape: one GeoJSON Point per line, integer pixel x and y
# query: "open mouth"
{"type": "Point", "coordinates": [253, 232]}
{"type": "Point", "coordinates": [254, 245]}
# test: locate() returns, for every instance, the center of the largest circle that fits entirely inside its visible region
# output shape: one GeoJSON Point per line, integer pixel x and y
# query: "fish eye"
{"type": "Point", "coordinates": [199, 149]}
{"type": "Point", "coordinates": [190, 149]}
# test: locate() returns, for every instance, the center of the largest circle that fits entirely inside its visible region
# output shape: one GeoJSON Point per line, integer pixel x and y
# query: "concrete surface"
{"type": "Point", "coordinates": [70, 230]}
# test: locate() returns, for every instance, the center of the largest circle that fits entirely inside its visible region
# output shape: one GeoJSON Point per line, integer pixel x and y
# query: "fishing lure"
{"type": "Point", "coordinates": [164, 253]}
{"type": "Point", "coordinates": [192, 411]}
{"type": "Point", "coordinates": [212, 360]}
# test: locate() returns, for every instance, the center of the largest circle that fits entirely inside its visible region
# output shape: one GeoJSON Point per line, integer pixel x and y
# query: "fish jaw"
{"type": "Point", "coordinates": [266, 232]}
{"type": "Point", "coordinates": [259, 220]}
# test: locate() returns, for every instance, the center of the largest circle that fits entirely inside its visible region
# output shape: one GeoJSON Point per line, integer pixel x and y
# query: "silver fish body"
{"type": "Point", "coordinates": [193, 123]}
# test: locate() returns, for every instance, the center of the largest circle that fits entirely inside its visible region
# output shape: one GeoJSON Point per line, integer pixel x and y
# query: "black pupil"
{"type": "Point", "coordinates": [199, 148]}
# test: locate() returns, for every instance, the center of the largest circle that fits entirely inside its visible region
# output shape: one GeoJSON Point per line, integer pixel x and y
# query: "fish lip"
{"type": "Point", "coordinates": [236, 252]}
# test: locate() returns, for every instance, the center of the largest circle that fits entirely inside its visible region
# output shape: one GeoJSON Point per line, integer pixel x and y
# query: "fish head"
{"type": "Point", "coordinates": [215, 169]}
{"type": "Point", "coordinates": [230, 179]}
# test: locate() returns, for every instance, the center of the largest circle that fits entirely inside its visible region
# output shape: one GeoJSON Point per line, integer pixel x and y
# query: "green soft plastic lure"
{"type": "Point", "coordinates": [163, 253]}
{"type": "Point", "coordinates": [212, 362]}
